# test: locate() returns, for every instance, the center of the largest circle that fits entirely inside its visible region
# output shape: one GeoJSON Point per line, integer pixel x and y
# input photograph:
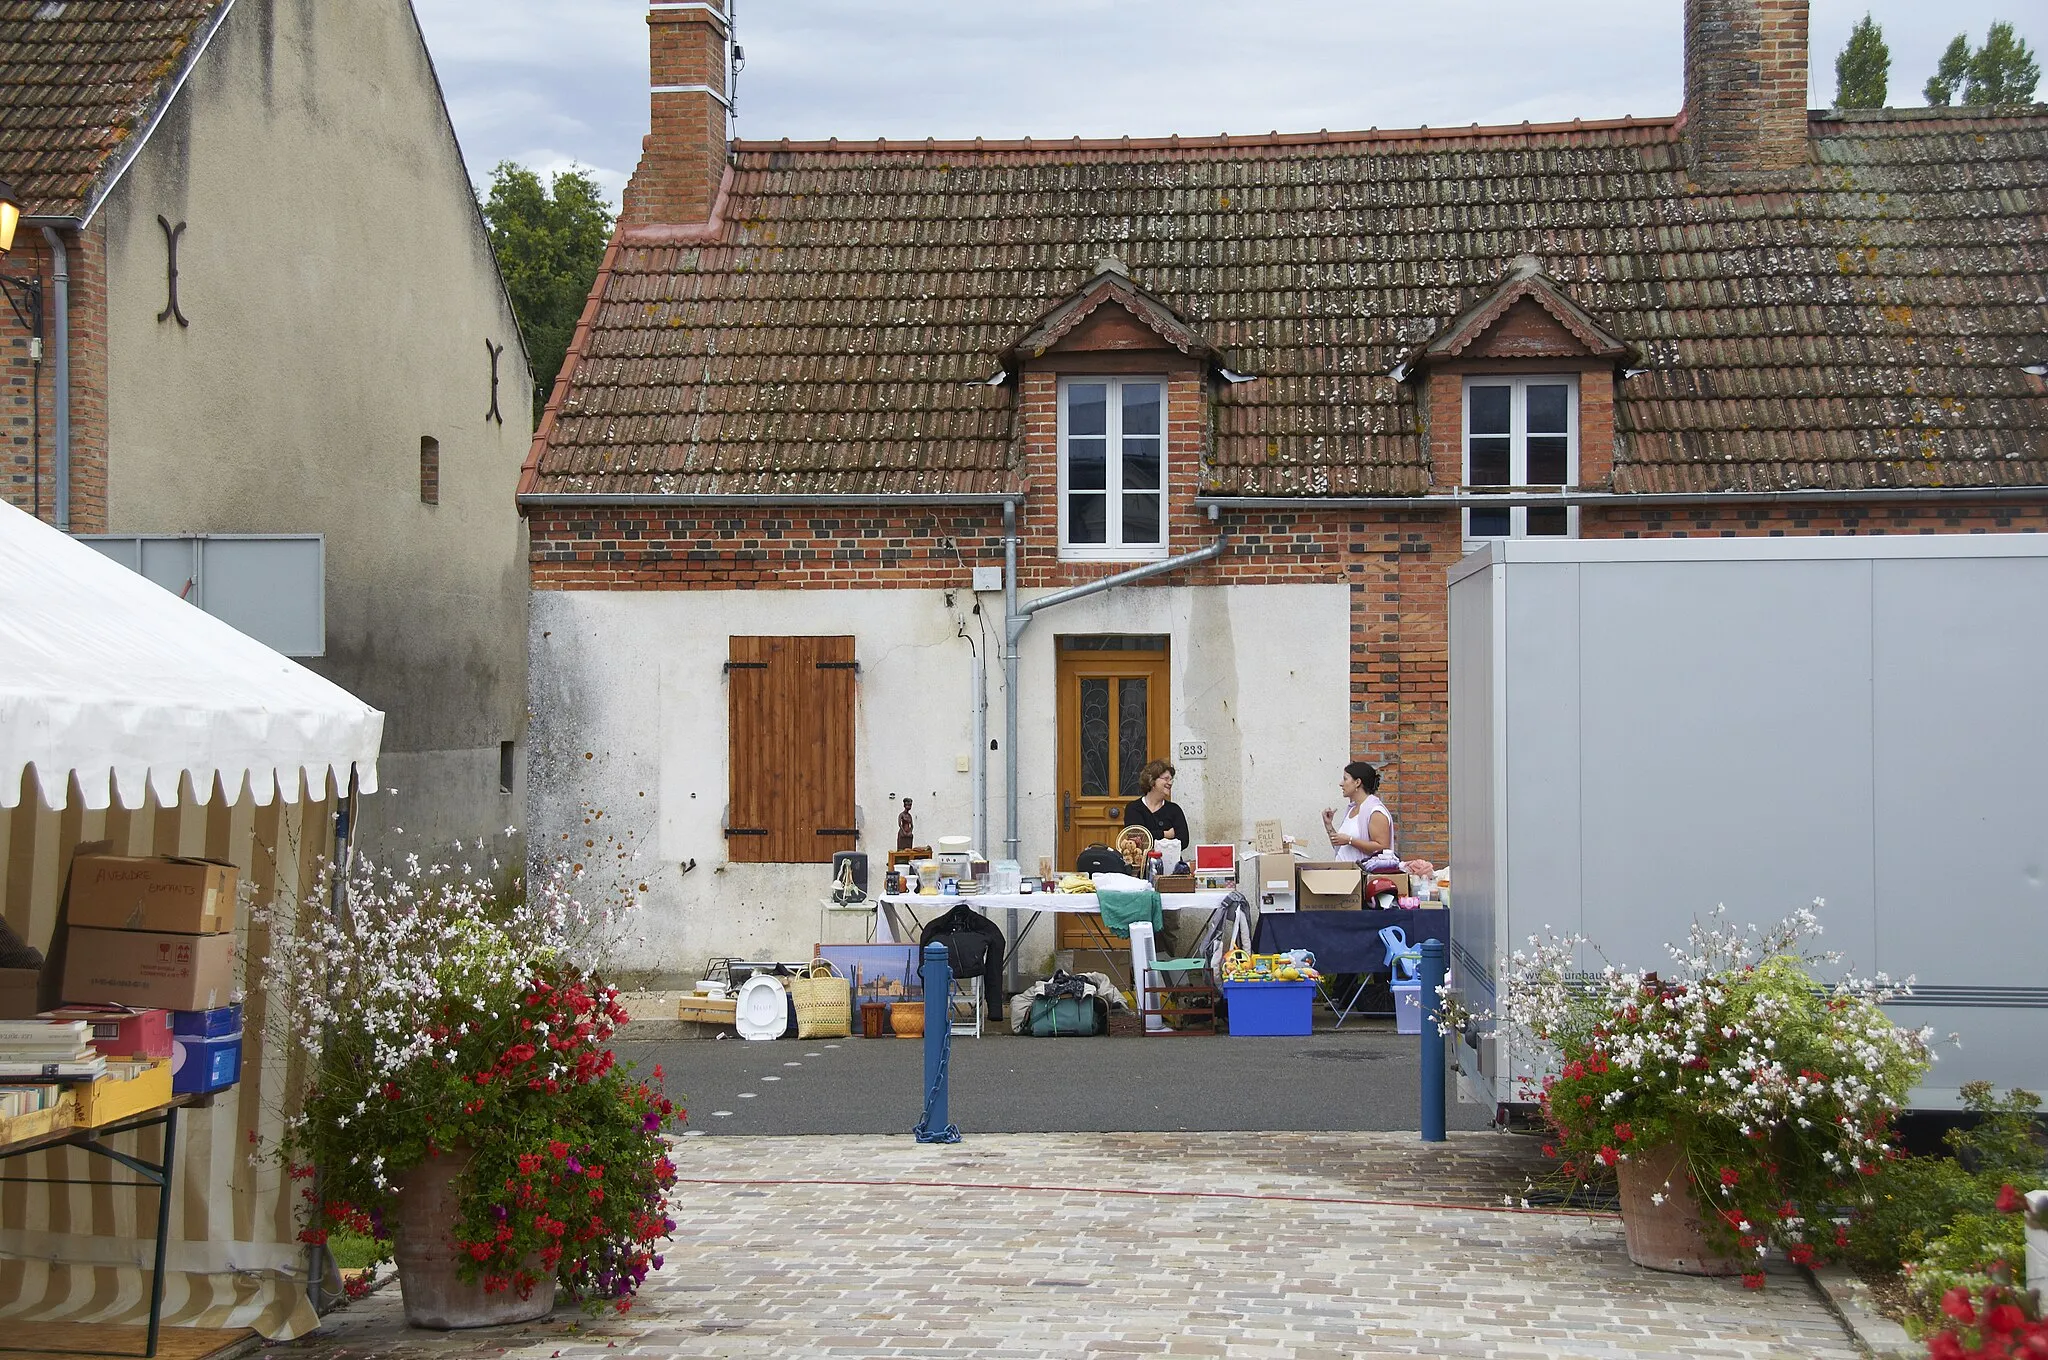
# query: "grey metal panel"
{"type": "Point", "coordinates": [1542, 744]}
{"type": "Point", "coordinates": [269, 586]}
{"type": "Point", "coordinates": [1477, 810]}
{"type": "Point", "coordinates": [1962, 756]}
{"type": "Point", "coordinates": [1730, 759]}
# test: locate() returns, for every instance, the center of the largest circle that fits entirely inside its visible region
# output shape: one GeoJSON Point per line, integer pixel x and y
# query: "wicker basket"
{"type": "Point", "coordinates": [824, 1003]}
{"type": "Point", "coordinates": [906, 1018]}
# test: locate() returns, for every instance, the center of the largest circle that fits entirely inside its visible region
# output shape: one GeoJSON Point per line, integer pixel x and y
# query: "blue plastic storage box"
{"type": "Point", "coordinates": [202, 1063]}
{"type": "Point", "coordinates": [222, 1020]}
{"type": "Point", "coordinates": [1270, 1007]}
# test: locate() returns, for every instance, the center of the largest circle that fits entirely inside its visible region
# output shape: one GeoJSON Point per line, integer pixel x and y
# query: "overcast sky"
{"type": "Point", "coordinates": [551, 83]}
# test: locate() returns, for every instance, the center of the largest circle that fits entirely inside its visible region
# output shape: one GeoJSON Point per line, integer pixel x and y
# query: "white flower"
{"type": "Point", "coordinates": [1657, 1198]}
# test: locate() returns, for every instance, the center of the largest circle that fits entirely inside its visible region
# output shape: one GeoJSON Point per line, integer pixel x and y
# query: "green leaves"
{"type": "Point", "coordinates": [1863, 68]}
{"type": "Point", "coordinates": [2000, 74]}
{"type": "Point", "coordinates": [549, 240]}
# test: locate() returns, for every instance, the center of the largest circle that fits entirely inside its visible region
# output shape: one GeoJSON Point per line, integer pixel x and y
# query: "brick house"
{"type": "Point", "coordinates": [269, 306]}
{"type": "Point", "coordinates": [820, 389]}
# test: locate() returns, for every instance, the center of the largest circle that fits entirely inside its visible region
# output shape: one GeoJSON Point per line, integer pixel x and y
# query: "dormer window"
{"type": "Point", "coordinates": [1520, 433]}
{"type": "Point", "coordinates": [1112, 443]}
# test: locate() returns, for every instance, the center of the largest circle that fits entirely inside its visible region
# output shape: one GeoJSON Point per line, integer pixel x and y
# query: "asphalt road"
{"type": "Point", "coordinates": [1356, 1079]}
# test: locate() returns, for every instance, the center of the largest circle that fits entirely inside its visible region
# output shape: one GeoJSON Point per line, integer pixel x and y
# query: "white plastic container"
{"type": "Point", "coordinates": [1407, 1007]}
{"type": "Point", "coordinates": [1005, 876]}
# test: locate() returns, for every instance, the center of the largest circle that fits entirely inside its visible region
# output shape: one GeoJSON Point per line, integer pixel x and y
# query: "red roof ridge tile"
{"type": "Point", "coordinates": [1222, 141]}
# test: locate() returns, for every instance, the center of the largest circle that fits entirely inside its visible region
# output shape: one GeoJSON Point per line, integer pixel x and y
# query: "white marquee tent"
{"type": "Point", "coordinates": [130, 717]}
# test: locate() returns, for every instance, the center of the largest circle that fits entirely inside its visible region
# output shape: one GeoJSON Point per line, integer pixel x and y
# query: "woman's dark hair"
{"type": "Point", "coordinates": [1149, 776]}
{"type": "Point", "coordinates": [1364, 774]}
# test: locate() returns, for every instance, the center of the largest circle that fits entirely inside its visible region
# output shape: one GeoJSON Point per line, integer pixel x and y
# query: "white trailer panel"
{"type": "Point", "coordinates": [1643, 729]}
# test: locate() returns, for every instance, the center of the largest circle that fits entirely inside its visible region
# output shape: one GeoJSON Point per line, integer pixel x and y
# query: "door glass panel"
{"type": "Point", "coordinates": [1094, 738]}
{"type": "Point", "coordinates": [1548, 407]}
{"type": "Point", "coordinates": [1087, 466]}
{"type": "Point", "coordinates": [1132, 734]}
{"type": "Point", "coordinates": [1088, 519]}
{"type": "Point", "coordinates": [1141, 519]}
{"type": "Point", "coordinates": [1489, 463]}
{"type": "Point", "coordinates": [1088, 408]}
{"type": "Point", "coordinates": [1489, 409]}
{"type": "Point", "coordinates": [1548, 455]}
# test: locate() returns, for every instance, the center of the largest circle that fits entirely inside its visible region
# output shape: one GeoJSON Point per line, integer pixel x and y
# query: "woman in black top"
{"type": "Point", "coordinates": [1154, 809]}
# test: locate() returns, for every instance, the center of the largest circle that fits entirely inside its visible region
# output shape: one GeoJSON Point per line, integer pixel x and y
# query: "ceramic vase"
{"type": "Point", "coordinates": [429, 1263]}
{"type": "Point", "coordinates": [906, 1019]}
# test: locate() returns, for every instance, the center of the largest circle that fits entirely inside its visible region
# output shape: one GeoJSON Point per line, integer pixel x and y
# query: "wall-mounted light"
{"type": "Point", "coordinates": [10, 216]}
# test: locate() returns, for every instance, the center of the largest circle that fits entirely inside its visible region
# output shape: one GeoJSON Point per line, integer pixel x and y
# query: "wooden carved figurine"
{"type": "Point", "coordinates": [905, 836]}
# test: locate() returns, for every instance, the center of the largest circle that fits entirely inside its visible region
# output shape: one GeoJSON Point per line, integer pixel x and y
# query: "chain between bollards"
{"type": "Point", "coordinates": [938, 1046]}
{"type": "Point", "coordinates": [1432, 1042]}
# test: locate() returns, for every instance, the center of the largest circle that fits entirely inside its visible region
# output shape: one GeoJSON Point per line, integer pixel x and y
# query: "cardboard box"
{"type": "Point", "coordinates": [165, 894]}
{"type": "Point", "coordinates": [143, 968]}
{"type": "Point", "coordinates": [18, 993]}
{"type": "Point", "coordinates": [1329, 885]}
{"type": "Point", "coordinates": [104, 1101]}
{"type": "Point", "coordinates": [123, 1031]}
{"type": "Point", "coordinates": [206, 1062]}
{"type": "Point", "coordinates": [1268, 880]}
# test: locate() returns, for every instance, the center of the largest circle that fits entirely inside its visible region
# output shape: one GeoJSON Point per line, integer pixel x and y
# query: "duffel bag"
{"type": "Point", "coordinates": [1061, 1017]}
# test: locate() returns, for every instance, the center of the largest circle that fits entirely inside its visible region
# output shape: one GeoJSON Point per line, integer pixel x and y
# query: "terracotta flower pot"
{"type": "Point", "coordinates": [429, 1262]}
{"type": "Point", "coordinates": [1666, 1236]}
{"type": "Point", "coordinates": [906, 1018]}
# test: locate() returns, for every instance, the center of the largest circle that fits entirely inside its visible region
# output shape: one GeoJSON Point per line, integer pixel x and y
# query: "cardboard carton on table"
{"type": "Point", "coordinates": [165, 893]}
{"type": "Point", "coordinates": [148, 968]}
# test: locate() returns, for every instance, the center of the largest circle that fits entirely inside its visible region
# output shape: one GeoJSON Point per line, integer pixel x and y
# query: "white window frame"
{"type": "Point", "coordinates": [1115, 549]}
{"type": "Point", "coordinates": [1518, 448]}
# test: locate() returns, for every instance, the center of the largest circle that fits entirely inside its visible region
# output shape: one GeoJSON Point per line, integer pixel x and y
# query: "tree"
{"type": "Point", "coordinates": [1949, 73]}
{"type": "Point", "coordinates": [549, 241]}
{"type": "Point", "coordinates": [1863, 68]}
{"type": "Point", "coordinates": [2003, 72]}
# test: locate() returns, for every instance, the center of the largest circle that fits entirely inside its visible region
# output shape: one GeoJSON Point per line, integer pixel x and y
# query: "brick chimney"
{"type": "Point", "coordinates": [1745, 92]}
{"type": "Point", "coordinates": [683, 157]}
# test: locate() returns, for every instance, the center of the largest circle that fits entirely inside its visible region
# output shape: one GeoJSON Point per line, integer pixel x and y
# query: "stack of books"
{"type": "Point", "coordinates": [49, 1048]}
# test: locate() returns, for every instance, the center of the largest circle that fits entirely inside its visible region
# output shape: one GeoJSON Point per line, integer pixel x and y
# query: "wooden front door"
{"type": "Point", "coordinates": [1113, 718]}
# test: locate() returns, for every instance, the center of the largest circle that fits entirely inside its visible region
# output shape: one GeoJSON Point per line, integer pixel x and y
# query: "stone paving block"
{"type": "Point", "coordinates": [1283, 1246]}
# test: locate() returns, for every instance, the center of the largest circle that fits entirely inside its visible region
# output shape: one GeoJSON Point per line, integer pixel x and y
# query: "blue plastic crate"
{"type": "Point", "coordinates": [208, 1024]}
{"type": "Point", "coordinates": [1270, 1007]}
{"type": "Point", "coordinates": [205, 1063]}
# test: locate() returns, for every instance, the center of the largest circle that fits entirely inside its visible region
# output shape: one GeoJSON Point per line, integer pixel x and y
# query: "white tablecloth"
{"type": "Point", "coordinates": [888, 924]}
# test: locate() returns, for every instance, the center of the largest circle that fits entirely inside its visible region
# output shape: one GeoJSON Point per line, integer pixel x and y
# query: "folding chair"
{"type": "Point", "coordinates": [964, 1007]}
{"type": "Point", "coordinates": [1171, 992]}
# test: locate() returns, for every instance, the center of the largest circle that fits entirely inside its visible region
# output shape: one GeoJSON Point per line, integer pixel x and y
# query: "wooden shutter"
{"type": "Point", "coordinates": [791, 702]}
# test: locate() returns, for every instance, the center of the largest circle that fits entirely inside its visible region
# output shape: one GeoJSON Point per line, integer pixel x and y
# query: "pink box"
{"type": "Point", "coordinates": [123, 1031]}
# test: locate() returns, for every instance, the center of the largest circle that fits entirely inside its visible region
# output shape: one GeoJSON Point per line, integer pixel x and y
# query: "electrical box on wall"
{"type": "Point", "coordinates": [988, 578]}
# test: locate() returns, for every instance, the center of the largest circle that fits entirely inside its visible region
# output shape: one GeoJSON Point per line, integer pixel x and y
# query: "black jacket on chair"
{"type": "Point", "coordinates": [974, 946]}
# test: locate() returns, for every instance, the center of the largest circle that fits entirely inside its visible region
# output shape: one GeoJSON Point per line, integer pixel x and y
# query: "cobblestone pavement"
{"type": "Point", "coordinates": [1283, 1245]}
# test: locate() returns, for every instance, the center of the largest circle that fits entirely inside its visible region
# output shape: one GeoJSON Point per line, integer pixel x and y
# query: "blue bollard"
{"type": "Point", "coordinates": [938, 1046]}
{"type": "Point", "coordinates": [1432, 1043]}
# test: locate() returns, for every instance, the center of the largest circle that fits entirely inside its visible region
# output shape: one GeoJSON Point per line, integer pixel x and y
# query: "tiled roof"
{"type": "Point", "coordinates": [835, 333]}
{"type": "Point", "coordinates": [77, 77]}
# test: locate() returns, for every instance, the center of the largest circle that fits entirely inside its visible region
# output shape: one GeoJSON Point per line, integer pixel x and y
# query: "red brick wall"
{"type": "Point", "coordinates": [1812, 520]}
{"type": "Point", "coordinates": [1745, 88]}
{"type": "Point", "coordinates": [1444, 414]}
{"type": "Point", "coordinates": [87, 264]}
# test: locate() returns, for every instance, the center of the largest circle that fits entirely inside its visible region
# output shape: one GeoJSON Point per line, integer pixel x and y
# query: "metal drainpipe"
{"type": "Point", "coordinates": [1017, 617]}
{"type": "Point", "coordinates": [60, 277]}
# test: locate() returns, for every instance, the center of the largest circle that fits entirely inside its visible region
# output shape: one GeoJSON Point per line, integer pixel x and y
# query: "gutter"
{"type": "Point", "coordinates": [575, 500]}
{"type": "Point", "coordinates": [1499, 501]}
{"type": "Point", "coordinates": [60, 371]}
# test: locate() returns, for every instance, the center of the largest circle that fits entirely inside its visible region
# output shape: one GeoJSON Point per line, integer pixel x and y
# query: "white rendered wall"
{"type": "Point", "coordinates": [629, 699]}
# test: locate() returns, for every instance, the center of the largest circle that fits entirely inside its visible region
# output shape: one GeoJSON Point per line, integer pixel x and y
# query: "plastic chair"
{"type": "Point", "coordinates": [964, 1007]}
{"type": "Point", "coordinates": [1171, 992]}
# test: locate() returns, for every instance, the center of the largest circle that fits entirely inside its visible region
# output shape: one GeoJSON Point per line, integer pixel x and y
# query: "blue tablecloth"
{"type": "Point", "coordinates": [1348, 941]}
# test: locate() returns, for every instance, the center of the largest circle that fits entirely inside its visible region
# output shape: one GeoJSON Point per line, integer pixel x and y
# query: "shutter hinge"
{"type": "Point", "coordinates": [838, 831]}
{"type": "Point", "coordinates": [838, 665]}
{"type": "Point", "coordinates": [732, 666]}
{"type": "Point", "coordinates": [746, 831]}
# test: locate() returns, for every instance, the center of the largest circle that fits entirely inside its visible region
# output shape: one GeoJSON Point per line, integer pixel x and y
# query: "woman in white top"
{"type": "Point", "coordinates": [1366, 830]}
